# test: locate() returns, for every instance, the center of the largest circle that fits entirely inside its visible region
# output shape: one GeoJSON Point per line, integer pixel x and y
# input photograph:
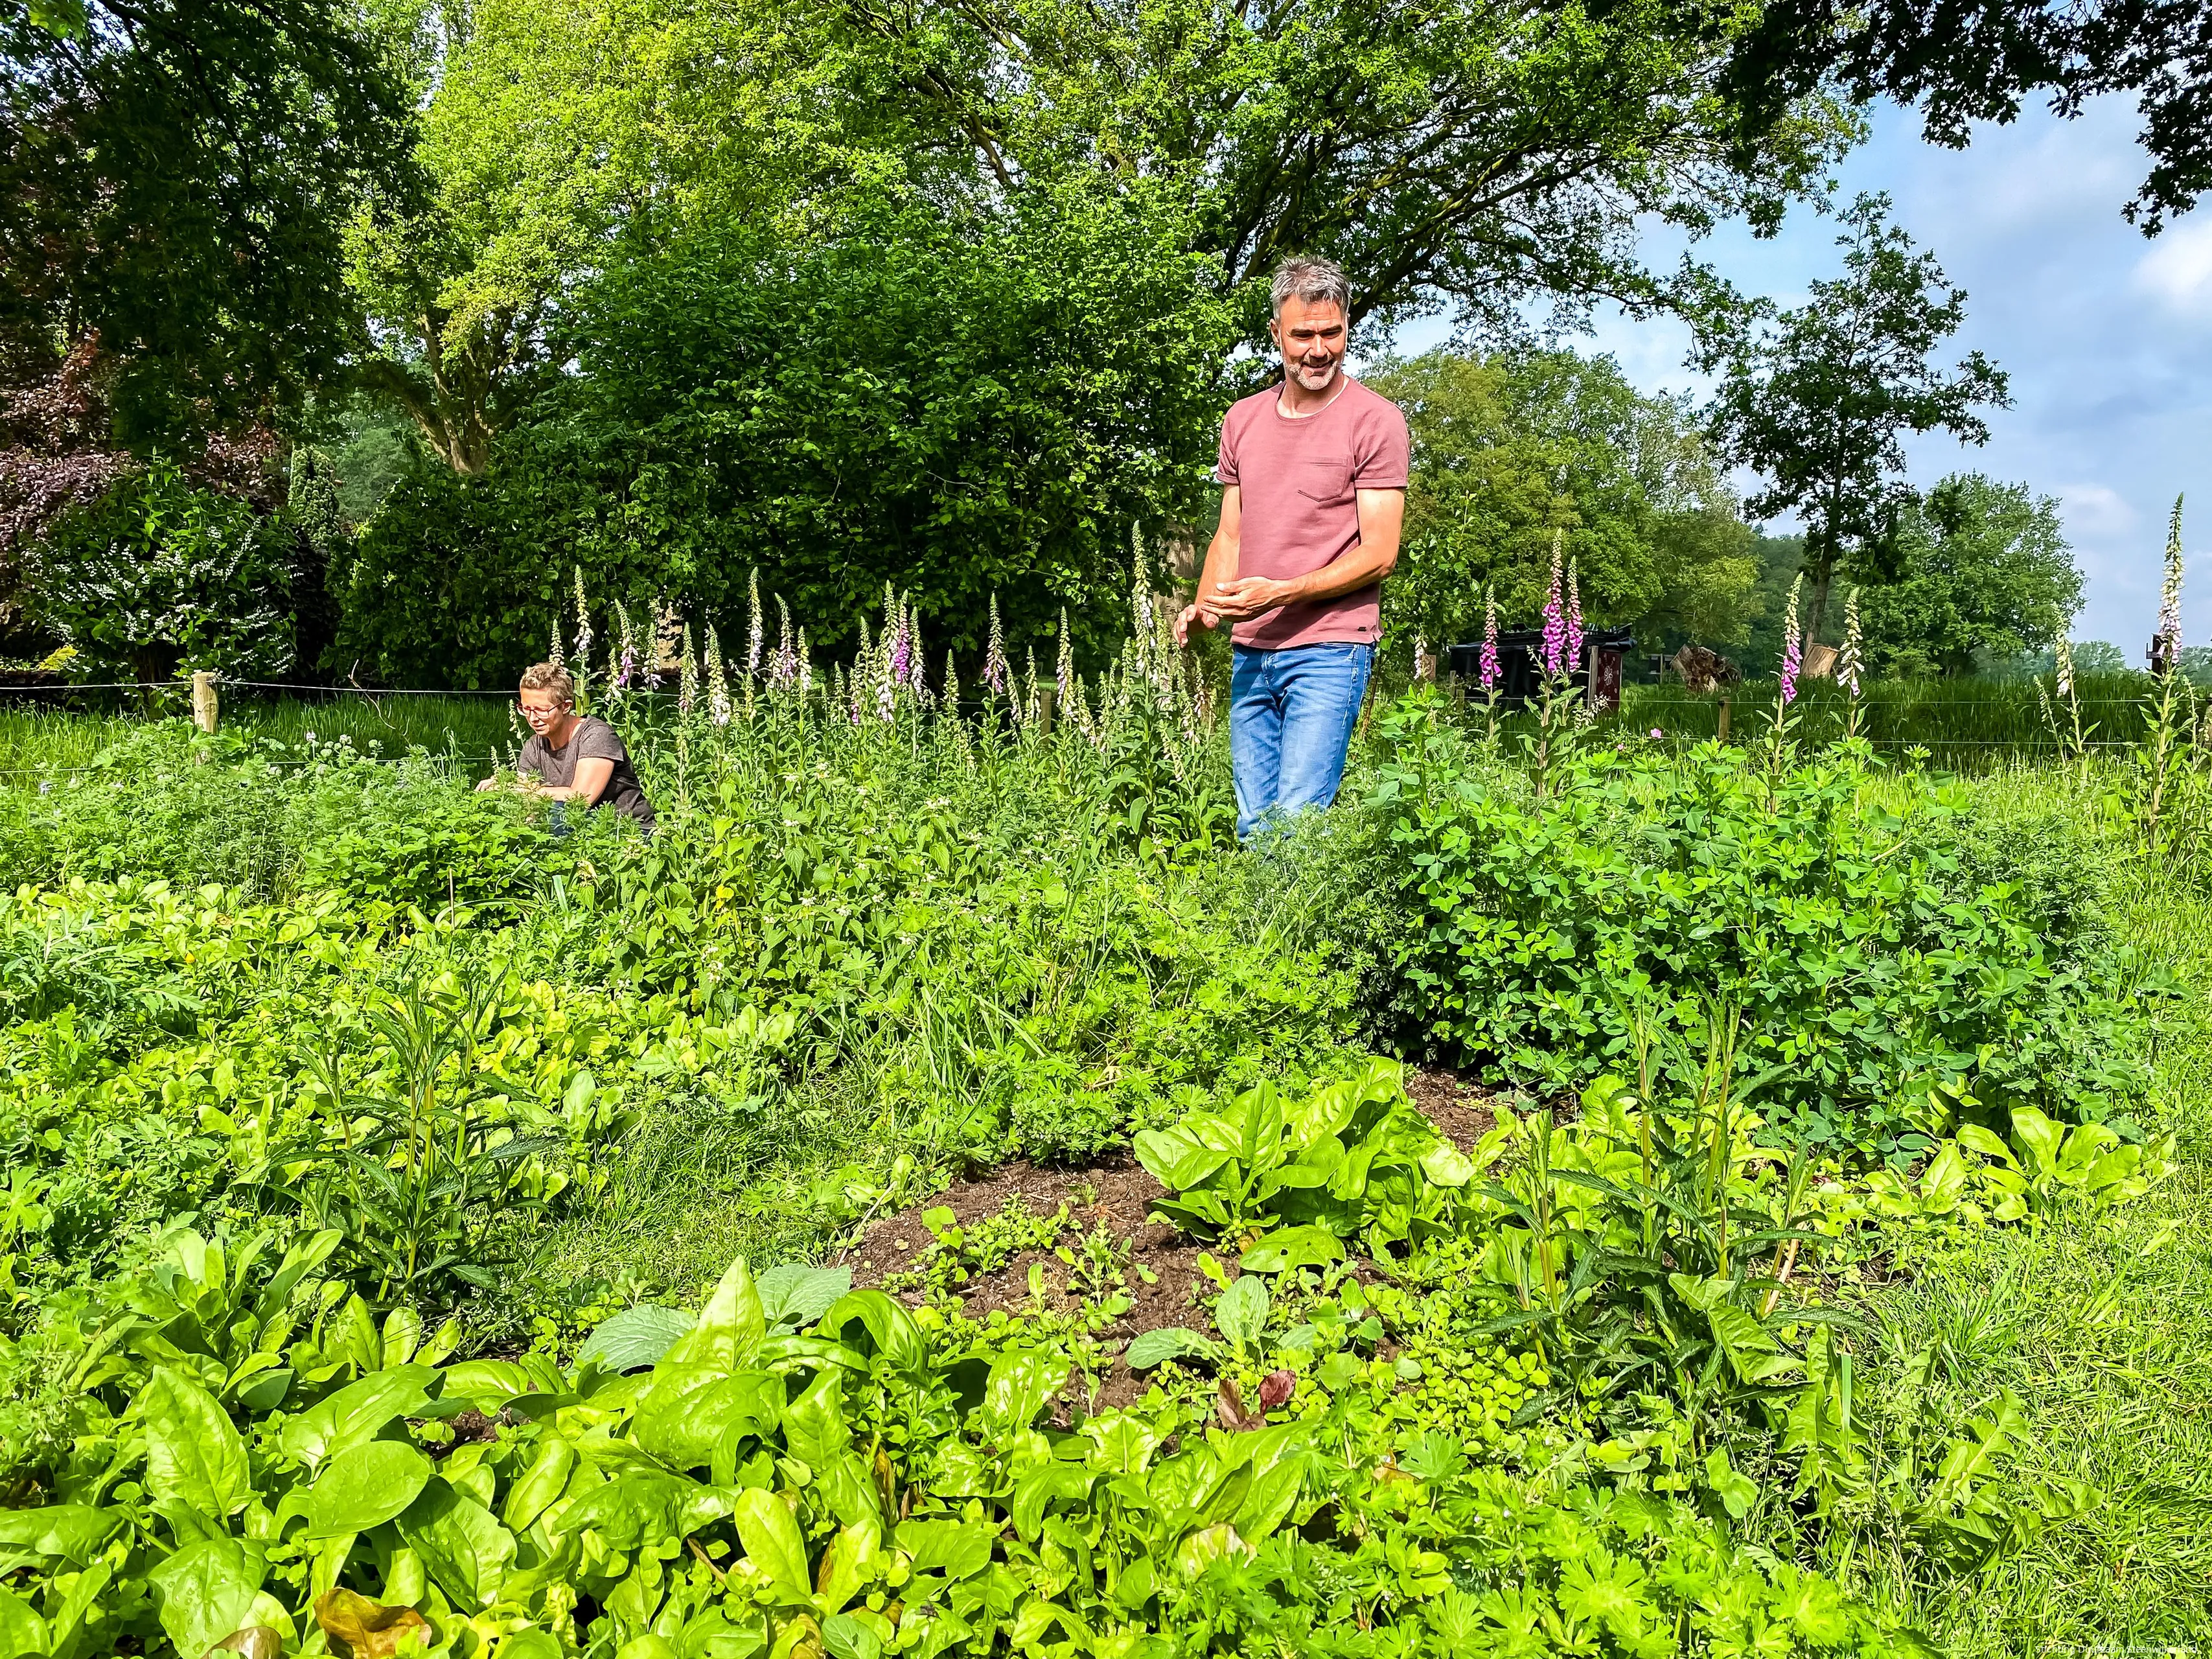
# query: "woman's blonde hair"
{"type": "Point", "coordinates": [544, 677]}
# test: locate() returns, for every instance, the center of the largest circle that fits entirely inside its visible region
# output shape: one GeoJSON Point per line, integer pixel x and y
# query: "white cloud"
{"type": "Point", "coordinates": [2178, 268]}
{"type": "Point", "coordinates": [2096, 510]}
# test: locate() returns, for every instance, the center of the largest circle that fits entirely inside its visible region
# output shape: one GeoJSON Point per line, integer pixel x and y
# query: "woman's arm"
{"type": "Point", "coordinates": [593, 775]}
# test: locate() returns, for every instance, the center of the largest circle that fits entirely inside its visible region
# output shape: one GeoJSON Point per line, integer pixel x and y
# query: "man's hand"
{"type": "Point", "coordinates": [491, 782]}
{"type": "Point", "coordinates": [1252, 595]}
{"type": "Point", "coordinates": [1203, 613]}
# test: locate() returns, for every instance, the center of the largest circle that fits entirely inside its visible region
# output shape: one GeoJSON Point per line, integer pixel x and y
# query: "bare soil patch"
{"type": "Point", "coordinates": [1461, 1110]}
{"type": "Point", "coordinates": [1116, 1194]}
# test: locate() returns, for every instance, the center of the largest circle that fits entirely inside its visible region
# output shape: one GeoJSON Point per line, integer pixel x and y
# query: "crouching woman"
{"type": "Point", "coordinates": [572, 757]}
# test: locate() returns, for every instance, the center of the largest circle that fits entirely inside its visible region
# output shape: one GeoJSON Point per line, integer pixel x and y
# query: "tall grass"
{"type": "Point", "coordinates": [2114, 1387]}
{"type": "Point", "coordinates": [1965, 724]}
{"type": "Point", "coordinates": [37, 742]}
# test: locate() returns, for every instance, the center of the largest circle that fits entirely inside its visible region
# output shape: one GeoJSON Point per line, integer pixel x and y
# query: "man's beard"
{"type": "Point", "coordinates": [1316, 379]}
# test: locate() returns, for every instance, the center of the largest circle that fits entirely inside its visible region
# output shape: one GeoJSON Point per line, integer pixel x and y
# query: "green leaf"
{"type": "Point", "coordinates": [773, 1544]}
{"type": "Point", "coordinates": [266, 1392]}
{"type": "Point", "coordinates": [71, 1532]}
{"type": "Point", "coordinates": [21, 1630]}
{"type": "Point", "coordinates": [634, 1338]}
{"type": "Point", "coordinates": [1737, 1491]}
{"type": "Point", "coordinates": [463, 1548]}
{"type": "Point", "coordinates": [1121, 1444]}
{"type": "Point", "coordinates": [846, 1565]}
{"type": "Point", "coordinates": [193, 1454]}
{"type": "Point", "coordinates": [577, 1096]}
{"type": "Point", "coordinates": [1177, 1158]}
{"type": "Point", "coordinates": [692, 1411]}
{"type": "Point", "coordinates": [795, 1295]}
{"type": "Point", "coordinates": [2039, 1138]}
{"type": "Point", "coordinates": [958, 1549]}
{"type": "Point", "coordinates": [814, 1426]}
{"type": "Point", "coordinates": [1751, 1350]}
{"type": "Point", "coordinates": [1241, 1313]}
{"type": "Point", "coordinates": [1152, 1348]}
{"type": "Point", "coordinates": [1445, 1165]}
{"type": "Point", "coordinates": [364, 1486]}
{"type": "Point", "coordinates": [1976, 1139]}
{"type": "Point", "coordinates": [1021, 1382]}
{"type": "Point", "coordinates": [1289, 1247]}
{"type": "Point", "coordinates": [356, 1414]}
{"type": "Point", "coordinates": [844, 1636]}
{"type": "Point", "coordinates": [645, 1507]}
{"type": "Point", "coordinates": [730, 1328]}
{"type": "Point", "coordinates": [206, 1590]}
{"type": "Point", "coordinates": [543, 1481]}
{"type": "Point", "coordinates": [888, 1326]}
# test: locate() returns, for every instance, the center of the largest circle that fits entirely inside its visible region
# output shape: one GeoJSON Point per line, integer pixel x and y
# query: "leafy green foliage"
{"type": "Point", "coordinates": [611, 1503]}
{"type": "Point", "coordinates": [1817, 400]}
{"type": "Point", "coordinates": [1540, 1386]}
{"type": "Point", "coordinates": [832, 421]}
{"type": "Point", "coordinates": [1880, 997]}
{"type": "Point", "coordinates": [1511, 448]}
{"type": "Point", "coordinates": [159, 576]}
{"type": "Point", "coordinates": [173, 182]}
{"type": "Point", "coordinates": [1985, 575]}
{"type": "Point", "coordinates": [1349, 1162]}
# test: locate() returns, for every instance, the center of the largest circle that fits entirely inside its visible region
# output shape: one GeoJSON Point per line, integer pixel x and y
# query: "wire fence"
{"type": "Point", "coordinates": [1899, 719]}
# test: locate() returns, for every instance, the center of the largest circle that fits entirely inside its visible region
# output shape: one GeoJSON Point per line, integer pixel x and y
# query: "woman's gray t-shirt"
{"type": "Point", "coordinates": [593, 739]}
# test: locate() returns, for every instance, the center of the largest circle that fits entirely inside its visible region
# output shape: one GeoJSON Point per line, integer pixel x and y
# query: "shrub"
{"type": "Point", "coordinates": [157, 576]}
{"type": "Point", "coordinates": [1880, 992]}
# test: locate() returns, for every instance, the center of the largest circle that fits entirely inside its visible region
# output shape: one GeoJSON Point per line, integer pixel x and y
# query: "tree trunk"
{"type": "Point", "coordinates": [1821, 567]}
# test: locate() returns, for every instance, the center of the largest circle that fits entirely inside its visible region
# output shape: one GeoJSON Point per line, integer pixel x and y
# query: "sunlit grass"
{"type": "Point", "coordinates": [40, 742]}
{"type": "Point", "coordinates": [2121, 1398]}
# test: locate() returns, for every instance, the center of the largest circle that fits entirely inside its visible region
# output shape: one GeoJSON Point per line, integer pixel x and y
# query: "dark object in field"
{"type": "Point", "coordinates": [1704, 671]}
{"type": "Point", "coordinates": [1519, 680]}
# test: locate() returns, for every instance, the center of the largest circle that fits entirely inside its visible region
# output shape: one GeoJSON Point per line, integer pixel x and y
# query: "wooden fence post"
{"type": "Point", "coordinates": [206, 711]}
{"type": "Point", "coordinates": [1723, 734]}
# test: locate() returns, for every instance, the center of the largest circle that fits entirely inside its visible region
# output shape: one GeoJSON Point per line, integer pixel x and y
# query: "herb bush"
{"type": "Point", "coordinates": [1889, 974]}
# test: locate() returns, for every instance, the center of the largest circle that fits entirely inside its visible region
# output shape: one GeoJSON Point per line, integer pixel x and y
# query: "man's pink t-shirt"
{"type": "Point", "coordinates": [1300, 512]}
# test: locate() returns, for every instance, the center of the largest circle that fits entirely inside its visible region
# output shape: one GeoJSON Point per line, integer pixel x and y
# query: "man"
{"type": "Point", "coordinates": [1314, 474]}
{"type": "Point", "coordinates": [571, 756]}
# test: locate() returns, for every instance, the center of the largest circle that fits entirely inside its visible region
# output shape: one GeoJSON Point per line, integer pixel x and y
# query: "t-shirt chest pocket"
{"type": "Point", "coordinates": [1325, 478]}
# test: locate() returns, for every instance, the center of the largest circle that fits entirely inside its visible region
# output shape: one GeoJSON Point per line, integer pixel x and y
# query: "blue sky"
{"type": "Point", "coordinates": [2108, 336]}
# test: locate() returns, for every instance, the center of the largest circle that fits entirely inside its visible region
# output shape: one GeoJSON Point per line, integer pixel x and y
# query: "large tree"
{"type": "Point", "coordinates": [1468, 153]}
{"type": "Point", "coordinates": [948, 405]}
{"type": "Point", "coordinates": [1817, 400]}
{"type": "Point", "coordinates": [1471, 155]}
{"type": "Point", "coordinates": [174, 179]}
{"type": "Point", "coordinates": [562, 136]}
{"type": "Point", "coordinates": [1985, 575]}
{"type": "Point", "coordinates": [1513, 447]}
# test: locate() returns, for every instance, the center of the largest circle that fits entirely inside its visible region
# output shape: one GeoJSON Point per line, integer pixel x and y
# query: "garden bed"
{"type": "Point", "coordinates": [1160, 1267]}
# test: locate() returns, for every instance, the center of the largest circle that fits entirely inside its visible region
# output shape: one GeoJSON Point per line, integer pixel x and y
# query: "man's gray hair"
{"type": "Point", "coordinates": [1317, 282]}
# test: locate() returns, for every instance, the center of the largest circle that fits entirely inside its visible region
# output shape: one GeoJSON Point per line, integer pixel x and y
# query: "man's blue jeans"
{"type": "Point", "coordinates": [1290, 716]}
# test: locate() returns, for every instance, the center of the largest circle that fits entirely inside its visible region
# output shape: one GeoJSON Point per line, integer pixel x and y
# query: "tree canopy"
{"type": "Point", "coordinates": [918, 403]}
{"type": "Point", "coordinates": [1964, 61]}
{"type": "Point", "coordinates": [1514, 446]}
{"type": "Point", "coordinates": [1985, 573]}
{"type": "Point", "coordinates": [1816, 399]}
{"type": "Point", "coordinates": [175, 176]}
